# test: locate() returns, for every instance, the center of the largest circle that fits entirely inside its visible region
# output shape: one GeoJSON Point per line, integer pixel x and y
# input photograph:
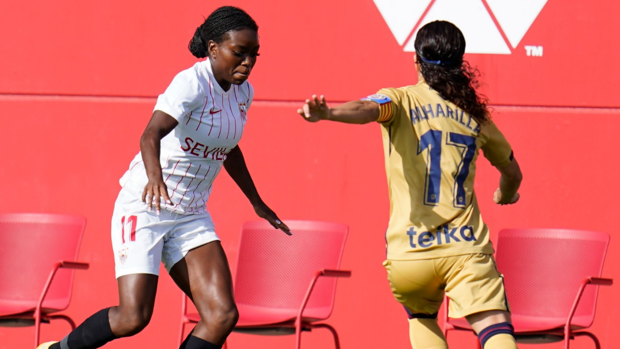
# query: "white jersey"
{"type": "Point", "coordinates": [211, 123]}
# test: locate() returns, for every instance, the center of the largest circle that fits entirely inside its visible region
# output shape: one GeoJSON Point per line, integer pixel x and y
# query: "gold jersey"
{"type": "Point", "coordinates": [431, 147]}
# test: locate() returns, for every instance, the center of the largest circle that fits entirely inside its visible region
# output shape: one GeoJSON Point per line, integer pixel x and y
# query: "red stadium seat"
{"type": "Point", "coordinates": [279, 288]}
{"type": "Point", "coordinates": [546, 274]}
{"type": "Point", "coordinates": [33, 247]}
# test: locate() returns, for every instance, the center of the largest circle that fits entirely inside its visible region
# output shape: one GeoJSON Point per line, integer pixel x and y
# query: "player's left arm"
{"type": "Point", "coordinates": [509, 183]}
{"type": "Point", "coordinates": [353, 112]}
{"type": "Point", "coordinates": [498, 151]}
{"type": "Point", "coordinates": [238, 171]}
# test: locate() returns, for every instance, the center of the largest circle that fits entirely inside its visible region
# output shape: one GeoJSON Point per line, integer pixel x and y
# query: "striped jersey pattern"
{"type": "Point", "coordinates": [211, 123]}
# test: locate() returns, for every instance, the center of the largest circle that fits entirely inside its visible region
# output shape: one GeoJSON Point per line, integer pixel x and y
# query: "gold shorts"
{"type": "Point", "coordinates": [471, 281]}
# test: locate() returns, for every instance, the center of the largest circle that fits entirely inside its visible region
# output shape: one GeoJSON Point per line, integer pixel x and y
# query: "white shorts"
{"type": "Point", "coordinates": [142, 239]}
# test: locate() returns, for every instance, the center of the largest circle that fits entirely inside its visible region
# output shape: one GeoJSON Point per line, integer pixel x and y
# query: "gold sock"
{"type": "Point", "coordinates": [426, 334]}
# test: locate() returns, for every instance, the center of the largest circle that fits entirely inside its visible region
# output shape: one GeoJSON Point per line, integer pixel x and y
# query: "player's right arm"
{"type": "Point", "coordinates": [184, 94]}
{"type": "Point", "coordinates": [150, 145]}
{"type": "Point", "coordinates": [353, 112]}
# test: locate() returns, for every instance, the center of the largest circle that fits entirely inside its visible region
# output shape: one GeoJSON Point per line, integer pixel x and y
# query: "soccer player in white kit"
{"type": "Point", "coordinates": [160, 214]}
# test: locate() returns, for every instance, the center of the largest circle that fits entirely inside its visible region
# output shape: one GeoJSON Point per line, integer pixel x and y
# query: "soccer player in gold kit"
{"type": "Point", "coordinates": [437, 241]}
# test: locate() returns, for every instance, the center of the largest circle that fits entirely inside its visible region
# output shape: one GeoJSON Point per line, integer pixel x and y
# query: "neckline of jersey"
{"type": "Point", "coordinates": [207, 66]}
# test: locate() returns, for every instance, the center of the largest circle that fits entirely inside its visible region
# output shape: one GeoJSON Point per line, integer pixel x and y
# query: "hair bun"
{"type": "Point", "coordinates": [197, 46]}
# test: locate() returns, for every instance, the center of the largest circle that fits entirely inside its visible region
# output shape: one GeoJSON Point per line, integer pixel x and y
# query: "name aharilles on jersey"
{"type": "Point", "coordinates": [430, 149]}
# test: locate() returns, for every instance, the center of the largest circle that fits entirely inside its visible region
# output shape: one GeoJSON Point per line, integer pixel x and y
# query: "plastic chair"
{"type": "Point", "coordinates": [546, 274]}
{"type": "Point", "coordinates": [33, 247]}
{"type": "Point", "coordinates": [285, 284]}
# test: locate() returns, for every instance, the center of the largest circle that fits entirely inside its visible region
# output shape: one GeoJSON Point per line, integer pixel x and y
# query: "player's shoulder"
{"type": "Point", "coordinates": [395, 93]}
{"type": "Point", "coordinates": [488, 128]}
{"type": "Point", "coordinates": [191, 73]}
{"type": "Point", "coordinates": [191, 78]}
{"type": "Point", "coordinates": [245, 90]}
{"type": "Point", "coordinates": [420, 94]}
{"type": "Point", "coordinates": [419, 89]}
{"type": "Point", "coordinates": [390, 90]}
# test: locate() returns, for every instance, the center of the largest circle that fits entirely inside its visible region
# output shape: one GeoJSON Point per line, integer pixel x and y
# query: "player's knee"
{"type": "Point", "coordinates": [223, 316]}
{"type": "Point", "coordinates": [133, 321]}
{"type": "Point", "coordinates": [227, 316]}
{"type": "Point", "coordinates": [424, 332]}
{"type": "Point", "coordinates": [499, 335]}
{"type": "Point", "coordinates": [136, 323]}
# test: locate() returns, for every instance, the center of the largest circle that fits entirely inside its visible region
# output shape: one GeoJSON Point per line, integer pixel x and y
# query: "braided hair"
{"type": "Point", "coordinates": [215, 27]}
{"type": "Point", "coordinates": [439, 48]}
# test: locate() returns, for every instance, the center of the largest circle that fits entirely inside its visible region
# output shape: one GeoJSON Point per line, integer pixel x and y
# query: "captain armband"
{"type": "Point", "coordinates": [385, 106]}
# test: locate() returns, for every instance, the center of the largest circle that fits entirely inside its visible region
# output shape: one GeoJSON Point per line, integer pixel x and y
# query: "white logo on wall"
{"type": "Point", "coordinates": [473, 18]}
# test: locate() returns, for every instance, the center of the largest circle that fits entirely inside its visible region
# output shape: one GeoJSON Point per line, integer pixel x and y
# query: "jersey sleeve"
{"type": "Point", "coordinates": [495, 146]}
{"type": "Point", "coordinates": [389, 101]}
{"type": "Point", "coordinates": [183, 95]}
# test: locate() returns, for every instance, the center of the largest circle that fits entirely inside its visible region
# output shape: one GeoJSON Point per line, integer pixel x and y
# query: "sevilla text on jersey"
{"type": "Point", "coordinates": [199, 149]}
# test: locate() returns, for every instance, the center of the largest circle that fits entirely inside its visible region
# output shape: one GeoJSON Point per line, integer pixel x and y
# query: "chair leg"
{"type": "Point", "coordinates": [181, 332]}
{"type": "Point", "coordinates": [588, 334]}
{"type": "Point", "coordinates": [37, 329]}
{"type": "Point", "coordinates": [332, 330]}
{"type": "Point", "coordinates": [39, 319]}
{"type": "Point", "coordinates": [297, 336]}
{"type": "Point", "coordinates": [567, 338]}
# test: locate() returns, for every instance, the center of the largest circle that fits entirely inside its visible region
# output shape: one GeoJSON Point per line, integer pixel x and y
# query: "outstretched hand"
{"type": "Point", "coordinates": [498, 199]}
{"type": "Point", "coordinates": [314, 109]}
{"type": "Point", "coordinates": [265, 212]}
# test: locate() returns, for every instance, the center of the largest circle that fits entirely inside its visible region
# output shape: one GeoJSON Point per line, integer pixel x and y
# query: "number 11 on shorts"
{"type": "Point", "coordinates": [133, 220]}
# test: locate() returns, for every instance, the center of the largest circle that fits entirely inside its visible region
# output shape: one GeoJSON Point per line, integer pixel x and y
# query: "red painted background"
{"type": "Point", "coordinates": [78, 81]}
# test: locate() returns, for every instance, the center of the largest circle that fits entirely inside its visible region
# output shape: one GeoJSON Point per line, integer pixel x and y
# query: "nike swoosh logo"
{"type": "Point", "coordinates": [214, 111]}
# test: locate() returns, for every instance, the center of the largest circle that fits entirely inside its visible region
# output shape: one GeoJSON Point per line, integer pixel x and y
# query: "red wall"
{"type": "Point", "coordinates": [78, 86]}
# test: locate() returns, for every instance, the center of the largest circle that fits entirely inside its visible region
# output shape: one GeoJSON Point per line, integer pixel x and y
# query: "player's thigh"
{"type": "Point", "coordinates": [204, 275]}
{"type": "Point", "coordinates": [196, 261]}
{"type": "Point", "coordinates": [189, 233]}
{"type": "Point", "coordinates": [415, 285]}
{"type": "Point", "coordinates": [136, 303]}
{"type": "Point", "coordinates": [474, 285]}
{"type": "Point", "coordinates": [137, 293]}
{"type": "Point", "coordinates": [138, 236]}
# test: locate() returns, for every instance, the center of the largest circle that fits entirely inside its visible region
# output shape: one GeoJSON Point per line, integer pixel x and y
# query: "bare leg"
{"type": "Point", "coordinates": [205, 277]}
{"type": "Point", "coordinates": [136, 303]}
{"type": "Point", "coordinates": [137, 297]}
{"type": "Point", "coordinates": [481, 321]}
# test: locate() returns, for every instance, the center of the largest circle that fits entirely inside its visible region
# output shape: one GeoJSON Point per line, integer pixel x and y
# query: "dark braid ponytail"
{"type": "Point", "coordinates": [439, 48]}
{"type": "Point", "coordinates": [215, 27]}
